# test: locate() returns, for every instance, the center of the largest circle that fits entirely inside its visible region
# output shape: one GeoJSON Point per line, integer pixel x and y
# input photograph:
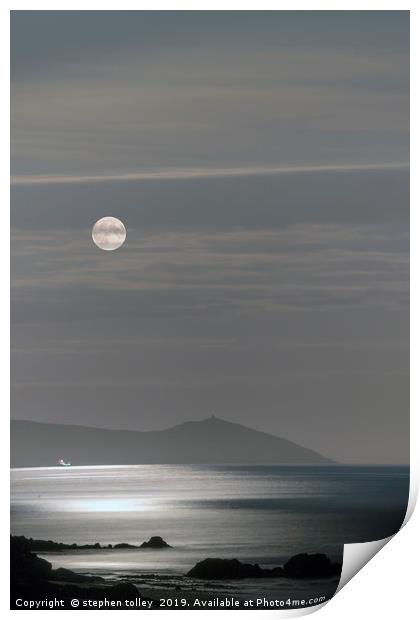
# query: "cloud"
{"type": "Point", "coordinates": [201, 173]}
{"type": "Point", "coordinates": [357, 197]}
{"type": "Point", "coordinates": [304, 268]}
{"type": "Point", "coordinates": [235, 99]}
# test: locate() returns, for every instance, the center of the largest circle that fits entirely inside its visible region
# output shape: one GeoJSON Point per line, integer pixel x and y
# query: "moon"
{"type": "Point", "coordinates": [109, 233]}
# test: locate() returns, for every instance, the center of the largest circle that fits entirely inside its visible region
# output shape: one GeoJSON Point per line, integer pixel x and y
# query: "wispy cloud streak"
{"type": "Point", "coordinates": [174, 174]}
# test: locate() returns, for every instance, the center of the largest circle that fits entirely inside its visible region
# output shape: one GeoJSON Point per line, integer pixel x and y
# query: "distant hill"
{"type": "Point", "coordinates": [209, 441]}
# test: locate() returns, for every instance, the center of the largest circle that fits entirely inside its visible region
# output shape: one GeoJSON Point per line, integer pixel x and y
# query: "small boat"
{"type": "Point", "coordinates": [64, 463]}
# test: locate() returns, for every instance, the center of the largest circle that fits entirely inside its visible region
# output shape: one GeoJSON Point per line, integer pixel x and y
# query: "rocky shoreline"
{"type": "Point", "coordinates": [301, 566]}
{"type": "Point", "coordinates": [33, 577]}
{"type": "Point", "coordinates": [39, 545]}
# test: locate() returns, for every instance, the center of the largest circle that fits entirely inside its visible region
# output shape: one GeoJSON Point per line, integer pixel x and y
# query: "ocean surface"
{"type": "Point", "coordinates": [261, 514]}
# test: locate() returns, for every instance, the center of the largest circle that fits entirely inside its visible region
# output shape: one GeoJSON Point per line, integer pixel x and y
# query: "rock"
{"type": "Point", "coordinates": [155, 542]}
{"type": "Point", "coordinates": [278, 571]}
{"type": "Point", "coordinates": [36, 545]}
{"type": "Point", "coordinates": [302, 566]}
{"type": "Point", "coordinates": [25, 564]}
{"type": "Point", "coordinates": [336, 568]}
{"type": "Point", "coordinates": [117, 591]}
{"type": "Point", "coordinates": [217, 568]}
{"type": "Point", "coordinates": [305, 566]}
{"type": "Point", "coordinates": [32, 578]}
{"type": "Point", "coordinates": [64, 574]}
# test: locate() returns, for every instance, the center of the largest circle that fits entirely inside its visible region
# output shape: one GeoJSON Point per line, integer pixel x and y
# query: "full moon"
{"type": "Point", "coordinates": [109, 233]}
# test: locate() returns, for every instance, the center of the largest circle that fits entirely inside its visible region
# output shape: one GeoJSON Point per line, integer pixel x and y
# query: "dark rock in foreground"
{"type": "Point", "coordinates": [32, 578]}
{"type": "Point", "coordinates": [66, 575]}
{"type": "Point", "coordinates": [155, 542]}
{"type": "Point", "coordinates": [26, 565]}
{"type": "Point", "coordinates": [124, 546]}
{"type": "Point", "coordinates": [302, 566]}
{"type": "Point", "coordinates": [305, 566]}
{"type": "Point", "coordinates": [217, 568]}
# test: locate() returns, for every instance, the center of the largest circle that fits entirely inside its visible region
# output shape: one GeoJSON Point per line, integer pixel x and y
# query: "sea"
{"type": "Point", "coordinates": [255, 513]}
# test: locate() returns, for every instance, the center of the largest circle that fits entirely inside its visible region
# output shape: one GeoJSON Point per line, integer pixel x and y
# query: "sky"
{"type": "Point", "coordinates": [259, 161]}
